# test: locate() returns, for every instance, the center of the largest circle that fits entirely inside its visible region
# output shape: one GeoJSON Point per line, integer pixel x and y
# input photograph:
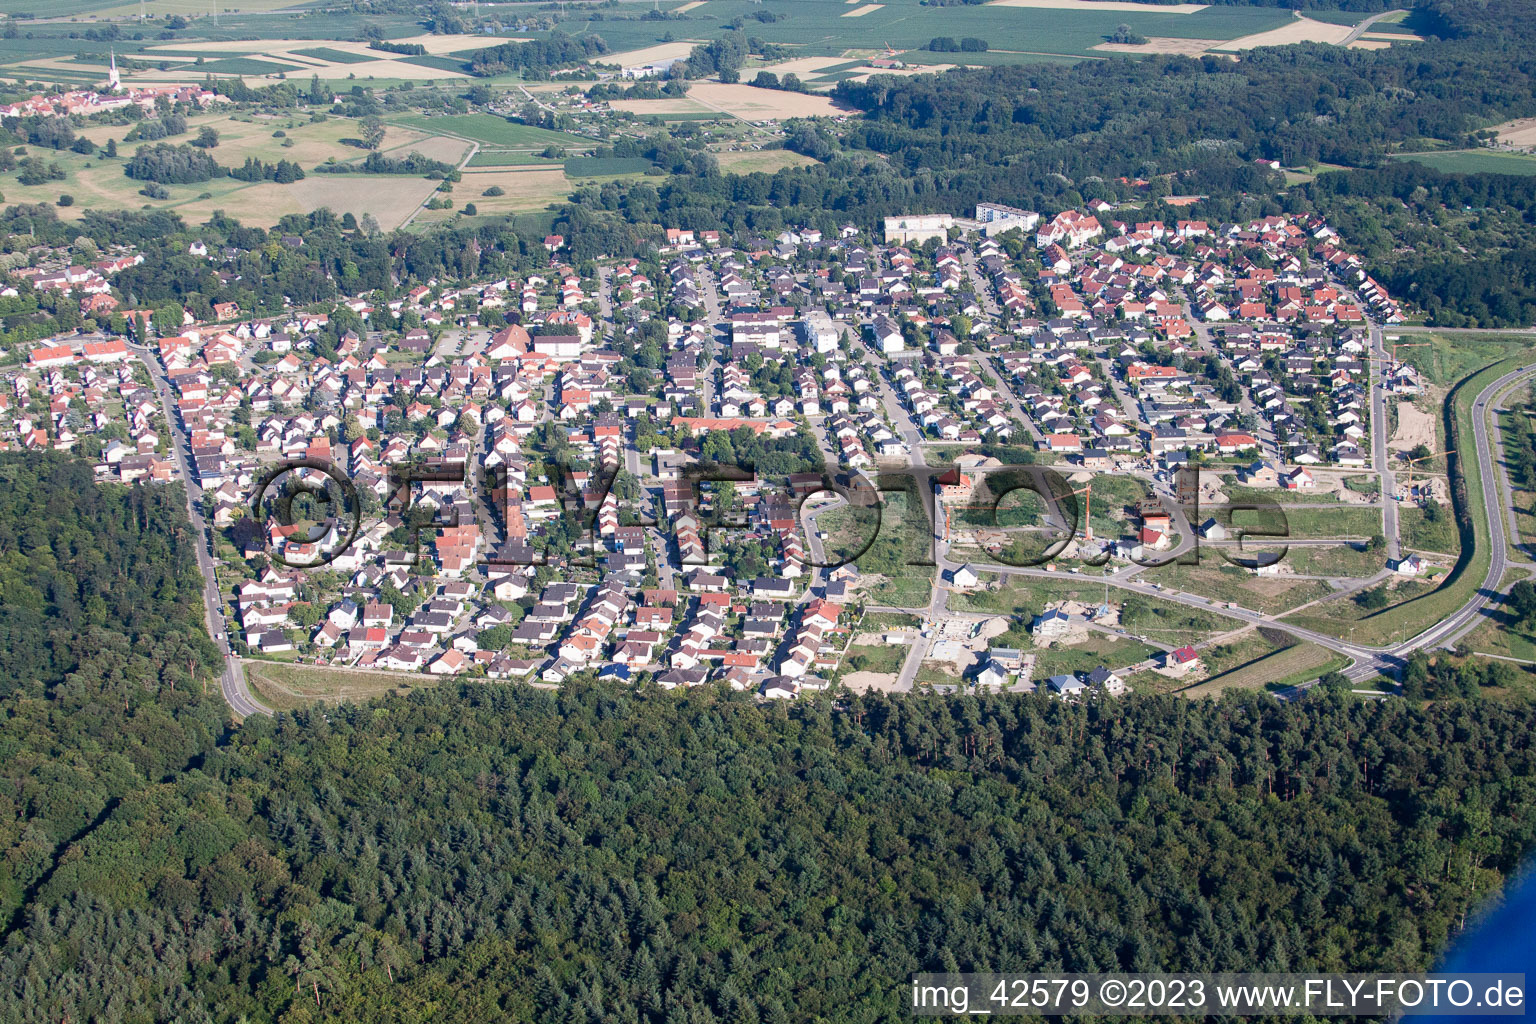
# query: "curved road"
{"type": "Point", "coordinates": [1360, 29]}
{"type": "Point", "coordinates": [232, 680]}
{"type": "Point", "coordinates": [1369, 661]}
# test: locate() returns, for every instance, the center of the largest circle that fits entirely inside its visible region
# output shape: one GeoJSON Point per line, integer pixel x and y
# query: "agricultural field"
{"type": "Point", "coordinates": [511, 158]}
{"type": "Point", "coordinates": [1474, 161]}
{"type": "Point", "coordinates": [1297, 30]}
{"type": "Point", "coordinates": [1519, 132]}
{"type": "Point", "coordinates": [331, 55]}
{"type": "Point", "coordinates": [664, 108]}
{"type": "Point", "coordinates": [753, 104]}
{"type": "Point", "coordinates": [820, 28]}
{"type": "Point", "coordinates": [98, 182]}
{"type": "Point", "coordinates": [605, 166]}
{"type": "Point", "coordinates": [490, 131]}
{"type": "Point", "coordinates": [524, 190]}
{"type": "Point", "coordinates": [248, 41]}
{"type": "Point", "coordinates": [390, 198]}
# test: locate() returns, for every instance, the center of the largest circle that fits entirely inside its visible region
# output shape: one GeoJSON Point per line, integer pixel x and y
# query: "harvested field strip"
{"type": "Point", "coordinates": [334, 56]}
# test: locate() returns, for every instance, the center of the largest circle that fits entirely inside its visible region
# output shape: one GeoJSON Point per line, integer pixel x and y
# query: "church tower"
{"type": "Point", "coordinates": [114, 81]}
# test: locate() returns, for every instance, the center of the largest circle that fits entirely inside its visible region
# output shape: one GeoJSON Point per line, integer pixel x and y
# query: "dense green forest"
{"type": "Point", "coordinates": [101, 624]}
{"type": "Point", "coordinates": [598, 853]}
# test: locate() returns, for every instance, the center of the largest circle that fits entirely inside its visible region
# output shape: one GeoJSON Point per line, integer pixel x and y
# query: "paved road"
{"type": "Point", "coordinates": [1379, 453]}
{"type": "Point", "coordinates": [1360, 29]}
{"type": "Point", "coordinates": [1491, 470]}
{"type": "Point", "coordinates": [1368, 661]}
{"type": "Point", "coordinates": [934, 612]}
{"type": "Point", "coordinates": [985, 293]}
{"type": "Point", "coordinates": [232, 680]}
{"type": "Point", "coordinates": [1005, 386]}
{"type": "Point", "coordinates": [1269, 446]}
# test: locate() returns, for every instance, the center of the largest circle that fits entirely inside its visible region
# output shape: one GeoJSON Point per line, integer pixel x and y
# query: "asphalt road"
{"type": "Point", "coordinates": [1379, 453]}
{"type": "Point", "coordinates": [232, 680]}
{"type": "Point", "coordinates": [1360, 29]}
{"type": "Point", "coordinates": [1368, 661]}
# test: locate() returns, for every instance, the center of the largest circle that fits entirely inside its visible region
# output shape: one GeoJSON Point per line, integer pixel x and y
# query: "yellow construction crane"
{"type": "Point", "coordinates": [1408, 487]}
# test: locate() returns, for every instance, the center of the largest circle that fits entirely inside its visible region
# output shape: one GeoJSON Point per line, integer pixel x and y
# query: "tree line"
{"type": "Point", "coordinates": [538, 55]}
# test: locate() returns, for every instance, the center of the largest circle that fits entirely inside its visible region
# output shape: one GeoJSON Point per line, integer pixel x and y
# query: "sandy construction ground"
{"type": "Point", "coordinates": [754, 104]}
{"type": "Point", "coordinates": [1521, 132]}
{"type": "Point", "coordinates": [863, 682]}
{"type": "Point", "coordinates": [1414, 427]}
{"type": "Point", "coordinates": [859, 12]}
{"type": "Point", "coordinates": [661, 51]}
{"type": "Point", "coordinates": [1105, 5]}
{"type": "Point", "coordinates": [1370, 44]}
{"type": "Point", "coordinates": [1163, 44]}
{"type": "Point", "coordinates": [1302, 30]}
{"type": "Point", "coordinates": [1393, 37]}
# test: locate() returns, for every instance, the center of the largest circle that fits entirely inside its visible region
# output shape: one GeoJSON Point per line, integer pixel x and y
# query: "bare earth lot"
{"type": "Point", "coordinates": [1414, 427]}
